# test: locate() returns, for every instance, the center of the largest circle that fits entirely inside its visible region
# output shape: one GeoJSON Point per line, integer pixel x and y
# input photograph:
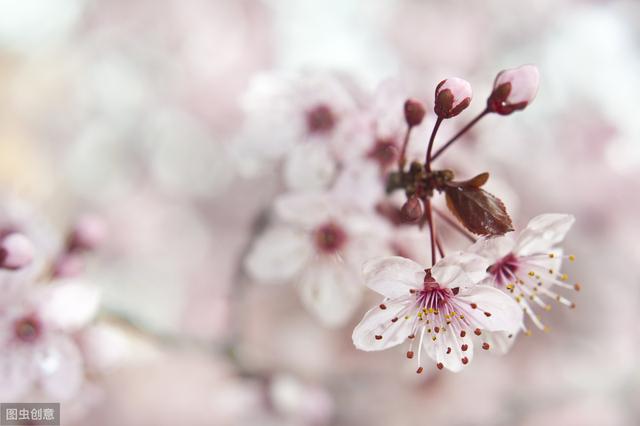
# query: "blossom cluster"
{"type": "Point", "coordinates": [46, 306]}
{"type": "Point", "coordinates": [358, 208]}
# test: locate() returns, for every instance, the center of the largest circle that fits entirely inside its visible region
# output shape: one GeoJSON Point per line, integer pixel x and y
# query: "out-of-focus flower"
{"type": "Point", "coordinates": [453, 95]}
{"type": "Point", "coordinates": [37, 350]}
{"type": "Point", "coordinates": [529, 267]}
{"type": "Point", "coordinates": [320, 244]}
{"type": "Point", "coordinates": [17, 217]}
{"type": "Point", "coordinates": [514, 89]}
{"type": "Point", "coordinates": [442, 304]}
{"type": "Point", "coordinates": [283, 112]}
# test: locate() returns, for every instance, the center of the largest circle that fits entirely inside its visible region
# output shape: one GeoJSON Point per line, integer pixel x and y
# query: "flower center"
{"type": "Point", "coordinates": [504, 269]}
{"type": "Point", "coordinates": [320, 119]}
{"type": "Point", "coordinates": [432, 294]}
{"type": "Point", "coordinates": [384, 152]}
{"type": "Point", "coordinates": [28, 329]}
{"type": "Point", "coordinates": [330, 238]}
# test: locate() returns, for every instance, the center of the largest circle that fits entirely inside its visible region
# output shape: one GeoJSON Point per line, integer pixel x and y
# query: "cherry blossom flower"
{"type": "Point", "coordinates": [528, 268]}
{"type": "Point", "coordinates": [37, 351]}
{"type": "Point", "coordinates": [514, 89]}
{"type": "Point", "coordinates": [442, 307]}
{"type": "Point", "coordinates": [320, 244]}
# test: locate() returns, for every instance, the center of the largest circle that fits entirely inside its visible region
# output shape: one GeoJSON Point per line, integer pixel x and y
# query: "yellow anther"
{"type": "Point", "coordinates": [547, 308]}
{"type": "Point", "coordinates": [531, 273]}
{"type": "Point", "coordinates": [564, 277]}
{"type": "Point", "coordinates": [551, 255]}
{"type": "Point", "coordinates": [572, 258]}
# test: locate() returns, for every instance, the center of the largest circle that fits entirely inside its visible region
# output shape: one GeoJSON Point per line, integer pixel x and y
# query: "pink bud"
{"type": "Point", "coordinates": [16, 251]}
{"type": "Point", "coordinates": [514, 89]}
{"type": "Point", "coordinates": [412, 210]}
{"type": "Point", "coordinates": [453, 95]}
{"type": "Point", "coordinates": [88, 232]}
{"type": "Point", "coordinates": [413, 112]}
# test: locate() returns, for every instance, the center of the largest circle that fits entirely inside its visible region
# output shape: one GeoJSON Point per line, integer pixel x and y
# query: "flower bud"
{"type": "Point", "coordinates": [514, 89]}
{"type": "Point", "coordinates": [453, 95]}
{"type": "Point", "coordinates": [412, 210]}
{"type": "Point", "coordinates": [16, 251]}
{"type": "Point", "coordinates": [88, 232]}
{"type": "Point", "coordinates": [413, 112]}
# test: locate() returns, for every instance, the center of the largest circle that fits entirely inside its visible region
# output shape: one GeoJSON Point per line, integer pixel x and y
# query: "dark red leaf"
{"type": "Point", "coordinates": [479, 211]}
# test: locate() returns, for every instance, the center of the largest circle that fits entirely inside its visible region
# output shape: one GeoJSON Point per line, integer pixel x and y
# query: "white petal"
{"type": "Point", "coordinates": [493, 248]}
{"type": "Point", "coordinates": [309, 167]}
{"type": "Point", "coordinates": [330, 290]}
{"type": "Point", "coordinates": [278, 254]}
{"type": "Point", "coordinates": [500, 342]}
{"type": "Point", "coordinates": [71, 304]}
{"type": "Point", "coordinates": [505, 314]}
{"type": "Point", "coordinates": [437, 349]}
{"type": "Point", "coordinates": [307, 210]}
{"type": "Point", "coordinates": [460, 269]}
{"type": "Point", "coordinates": [393, 276]}
{"type": "Point", "coordinates": [377, 322]}
{"type": "Point", "coordinates": [543, 232]}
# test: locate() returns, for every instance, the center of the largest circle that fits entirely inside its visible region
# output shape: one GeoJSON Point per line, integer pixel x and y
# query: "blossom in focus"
{"type": "Point", "coordinates": [453, 96]}
{"type": "Point", "coordinates": [528, 268]}
{"type": "Point", "coordinates": [514, 89]}
{"type": "Point", "coordinates": [440, 310]}
{"type": "Point", "coordinates": [319, 243]}
{"type": "Point", "coordinates": [37, 349]}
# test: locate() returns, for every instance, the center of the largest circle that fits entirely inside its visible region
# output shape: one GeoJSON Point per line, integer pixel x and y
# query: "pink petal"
{"type": "Point", "coordinates": [524, 83]}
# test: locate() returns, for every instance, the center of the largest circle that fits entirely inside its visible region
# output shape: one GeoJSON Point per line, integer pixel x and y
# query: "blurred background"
{"type": "Point", "coordinates": [133, 110]}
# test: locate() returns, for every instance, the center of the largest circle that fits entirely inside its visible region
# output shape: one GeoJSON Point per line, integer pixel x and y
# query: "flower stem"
{"type": "Point", "coordinates": [402, 159]}
{"type": "Point", "coordinates": [460, 133]}
{"type": "Point", "coordinates": [455, 226]}
{"type": "Point", "coordinates": [432, 230]}
{"type": "Point", "coordinates": [427, 161]}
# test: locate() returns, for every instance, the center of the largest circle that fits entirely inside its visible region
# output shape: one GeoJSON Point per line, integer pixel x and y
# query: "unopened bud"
{"type": "Point", "coordinates": [16, 251]}
{"type": "Point", "coordinates": [412, 210]}
{"type": "Point", "coordinates": [514, 89]}
{"type": "Point", "coordinates": [413, 112]}
{"type": "Point", "coordinates": [453, 95]}
{"type": "Point", "coordinates": [88, 232]}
